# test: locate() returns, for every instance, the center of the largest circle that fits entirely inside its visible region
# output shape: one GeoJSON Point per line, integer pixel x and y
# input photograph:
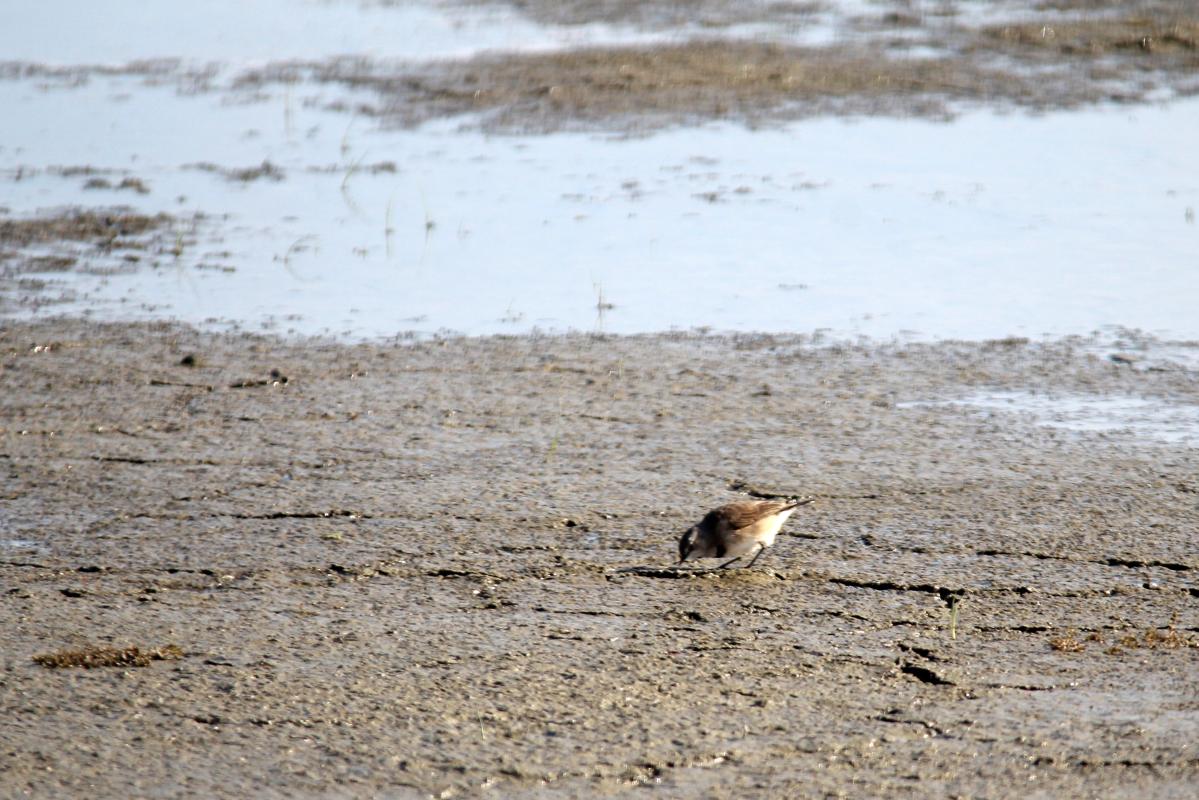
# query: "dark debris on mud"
{"type": "Point", "coordinates": [93, 657]}
{"type": "Point", "coordinates": [265, 170]}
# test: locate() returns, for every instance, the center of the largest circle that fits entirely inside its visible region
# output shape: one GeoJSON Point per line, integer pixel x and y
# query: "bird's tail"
{"type": "Point", "coordinates": [796, 502]}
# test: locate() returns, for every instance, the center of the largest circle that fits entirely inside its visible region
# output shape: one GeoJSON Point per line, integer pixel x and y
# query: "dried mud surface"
{"type": "Point", "coordinates": [443, 569]}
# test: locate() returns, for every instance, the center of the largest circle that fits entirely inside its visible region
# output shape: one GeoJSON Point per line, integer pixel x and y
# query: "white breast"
{"type": "Point", "coordinates": [765, 530]}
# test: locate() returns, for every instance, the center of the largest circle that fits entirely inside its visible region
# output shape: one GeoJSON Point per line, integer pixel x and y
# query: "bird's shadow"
{"type": "Point", "coordinates": [672, 572]}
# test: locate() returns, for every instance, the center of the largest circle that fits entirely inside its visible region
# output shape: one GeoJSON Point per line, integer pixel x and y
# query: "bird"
{"type": "Point", "coordinates": [737, 529]}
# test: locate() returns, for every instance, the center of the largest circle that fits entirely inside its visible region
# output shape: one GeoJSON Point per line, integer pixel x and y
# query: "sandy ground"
{"type": "Point", "coordinates": [443, 569]}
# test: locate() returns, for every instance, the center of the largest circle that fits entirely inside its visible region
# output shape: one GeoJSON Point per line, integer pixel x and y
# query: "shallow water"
{"type": "Point", "coordinates": [1147, 419]}
{"type": "Point", "coordinates": [231, 33]}
{"type": "Point", "coordinates": [990, 226]}
{"type": "Point", "coordinates": [228, 33]}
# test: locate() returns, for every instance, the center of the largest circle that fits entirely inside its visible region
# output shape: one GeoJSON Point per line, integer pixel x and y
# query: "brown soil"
{"type": "Point", "coordinates": [444, 569]}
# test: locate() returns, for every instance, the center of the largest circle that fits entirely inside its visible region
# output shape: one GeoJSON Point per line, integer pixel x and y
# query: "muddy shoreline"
{"type": "Point", "coordinates": [730, 62]}
{"type": "Point", "coordinates": [748, 65]}
{"type": "Point", "coordinates": [403, 569]}
{"type": "Point", "coordinates": [894, 64]}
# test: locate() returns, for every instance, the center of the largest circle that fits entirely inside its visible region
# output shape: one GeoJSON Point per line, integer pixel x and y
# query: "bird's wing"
{"type": "Point", "coordinates": [747, 512]}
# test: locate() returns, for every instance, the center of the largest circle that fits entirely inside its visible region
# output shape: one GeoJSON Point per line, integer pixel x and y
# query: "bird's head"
{"type": "Point", "coordinates": [687, 542]}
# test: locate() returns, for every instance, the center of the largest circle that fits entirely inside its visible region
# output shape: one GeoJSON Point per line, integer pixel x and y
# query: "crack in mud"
{"type": "Point", "coordinates": [738, 485]}
{"type": "Point", "coordinates": [900, 720]}
{"type": "Point", "coordinates": [924, 674]}
{"type": "Point", "coordinates": [1110, 561]}
{"type": "Point", "coordinates": [891, 586]}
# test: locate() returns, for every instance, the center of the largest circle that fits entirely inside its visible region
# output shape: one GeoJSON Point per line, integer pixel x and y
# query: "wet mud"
{"type": "Point", "coordinates": [444, 568]}
{"type": "Point", "coordinates": [639, 88]}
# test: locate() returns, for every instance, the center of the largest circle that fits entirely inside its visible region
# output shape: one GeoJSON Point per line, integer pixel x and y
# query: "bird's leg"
{"type": "Point", "coordinates": [761, 550]}
{"type": "Point", "coordinates": [730, 561]}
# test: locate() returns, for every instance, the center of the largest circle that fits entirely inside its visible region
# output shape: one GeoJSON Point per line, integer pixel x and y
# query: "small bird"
{"type": "Point", "coordinates": [737, 529]}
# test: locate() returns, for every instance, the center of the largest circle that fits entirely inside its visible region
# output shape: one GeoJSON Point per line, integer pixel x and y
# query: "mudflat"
{"type": "Point", "coordinates": [238, 566]}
